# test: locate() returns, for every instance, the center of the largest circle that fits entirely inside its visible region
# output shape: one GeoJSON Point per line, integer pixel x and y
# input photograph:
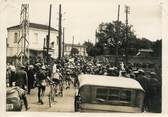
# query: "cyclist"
{"type": "Point", "coordinates": [57, 79]}
{"type": "Point", "coordinates": [68, 78]}
{"type": "Point", "coordinates": [40, 79]}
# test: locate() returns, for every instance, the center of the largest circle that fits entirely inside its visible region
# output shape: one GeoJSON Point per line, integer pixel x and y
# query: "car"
{"type": "Point", "coordinates": [13, 99]}
{"type": "Point", "coordinates": [99, 93]}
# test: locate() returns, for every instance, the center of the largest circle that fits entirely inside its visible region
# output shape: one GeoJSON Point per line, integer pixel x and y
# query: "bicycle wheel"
{"type": "Point", "coordinates": [61, 90]}
{"type": "Point", "coordinates": [52, 96]}
{"type": "Point", "coordinates": [49, 100]}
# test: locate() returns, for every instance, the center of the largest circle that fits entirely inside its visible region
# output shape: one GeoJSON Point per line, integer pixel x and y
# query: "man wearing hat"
{"type": "Point", "coordinates": [21, 78]}
{"type": "Point", "coordinates": [31, 78]}
{"type": "Point", "coordinates": [40, 79]}
{"type": "Point", "coordinates": [12, 70]}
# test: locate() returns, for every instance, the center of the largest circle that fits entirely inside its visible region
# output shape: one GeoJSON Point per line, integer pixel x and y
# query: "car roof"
{"type": "Point", "coordinates": [109, 81]}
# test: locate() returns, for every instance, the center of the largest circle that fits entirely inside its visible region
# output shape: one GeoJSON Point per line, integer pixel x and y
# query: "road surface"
{"type": "Point", "coordinates": [62, 104]}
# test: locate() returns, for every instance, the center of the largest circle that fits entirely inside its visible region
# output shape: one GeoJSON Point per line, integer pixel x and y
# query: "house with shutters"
{"type": "Point", "coordinates": [37, 35]}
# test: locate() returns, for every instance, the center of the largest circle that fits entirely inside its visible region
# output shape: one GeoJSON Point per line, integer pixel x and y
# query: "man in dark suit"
{"type": "Point", "coordinates": [31, 78]}
{"type": "Point", "coordinates": [21, 78]}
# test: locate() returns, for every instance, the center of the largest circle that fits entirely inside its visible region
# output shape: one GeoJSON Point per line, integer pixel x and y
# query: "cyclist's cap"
{"type": "Point", "coordinates": [43, 67]}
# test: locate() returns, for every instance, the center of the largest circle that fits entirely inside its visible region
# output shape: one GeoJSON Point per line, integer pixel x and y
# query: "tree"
{"type": "Point", "coordinates": [157, 48]}
{"type": "Point", "coordinates": [74, 51]}
{"type": "Point", "coordinates": [135, 44]}
{"type": "Point", "coordinates": [88, 46]}
{"type": "Point", "coordinates": [93, 52]}
{"type": "Point", "coordinates": [112, 35]}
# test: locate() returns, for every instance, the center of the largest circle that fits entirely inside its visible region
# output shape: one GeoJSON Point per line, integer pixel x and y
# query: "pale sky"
{"type": "Point", "coordinates": [82, 17]}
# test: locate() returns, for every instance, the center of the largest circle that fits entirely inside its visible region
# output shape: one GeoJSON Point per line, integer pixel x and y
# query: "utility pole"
{"type": "Point", "coordinates": [118, 18]}
{"type": "Point", "coordinates": [60, 32]}
{"type": "Point", "coordinates": [95, 37]}
{"type": "Point", "coordinates": [72, 41]}
{"type": "Point", "coordinates": [72, 45]}
{"type": "Point", "coordinates": [127, 11]}
{"type": "Point", "coordinates": [63, 43]}
{"type": "Point", "coordinates": [48, 36]}
{"type": "Point", "coordinates": [44, 49]}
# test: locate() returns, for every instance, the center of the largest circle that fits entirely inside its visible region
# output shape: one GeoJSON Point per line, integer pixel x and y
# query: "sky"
{"type": "Point", "coordinates": [81, 18]}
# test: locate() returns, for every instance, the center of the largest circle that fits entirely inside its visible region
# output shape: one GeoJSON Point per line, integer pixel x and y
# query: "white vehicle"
{"type": "Point", "coordinates": [98, 93]}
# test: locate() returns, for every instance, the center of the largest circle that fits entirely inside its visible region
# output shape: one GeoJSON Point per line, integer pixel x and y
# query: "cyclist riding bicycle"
{"type": "Point", "coordinates": [57, 79]}
{"type": "Point", "coordinates": [68, 78]}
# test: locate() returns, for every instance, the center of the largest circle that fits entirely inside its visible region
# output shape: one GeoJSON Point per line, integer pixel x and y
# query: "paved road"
{"type": "Point", "coordinates": [62, 104]}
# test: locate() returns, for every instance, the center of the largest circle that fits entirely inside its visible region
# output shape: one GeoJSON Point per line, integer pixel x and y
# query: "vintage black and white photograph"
{"type": "Point", "coordinates": [87, 56]}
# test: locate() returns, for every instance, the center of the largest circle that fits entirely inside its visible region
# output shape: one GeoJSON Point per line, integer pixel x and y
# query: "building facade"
{"type": "Point", "coordinates": [81, 49]}
{"type": "Point", "coordinates": [37, 34]}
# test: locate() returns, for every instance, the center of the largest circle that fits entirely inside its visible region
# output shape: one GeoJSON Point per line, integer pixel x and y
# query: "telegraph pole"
{"type": "Point", "coordinates": [60, 32]}
{"type": "Point", "coordinates": [72, 45]}
{"type": "Point", "coordinates": [72, 41]}
{"type": "Point", "coordinates": [95, 37]}
{"type": "Point", "coordinates": [127, 11]}
{"type": "Point", "coordinates": [44, 49]}
{"type": "Point", "coordinates": [118, 18]}
{"type": "Point", "coordinates": [48, 36]}
{"type": "Point", "coordinates": [63, 43]}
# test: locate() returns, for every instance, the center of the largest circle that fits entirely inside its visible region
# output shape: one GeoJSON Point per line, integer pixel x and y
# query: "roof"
{"type": "Point", "coordinates": [36, 49]}
{"type": "Point", "coordinates": [74, 45]}
{"type": "Point", "coordinates": [34, 25]}
{"type": "Point", "coordinates": [40, 49]}
{"type": "Point", "coordinates": [145, 50]}
{"type": "Point", "coordinates": [110, 81]}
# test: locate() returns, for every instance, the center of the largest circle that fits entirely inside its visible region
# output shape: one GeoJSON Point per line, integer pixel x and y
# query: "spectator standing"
{"type": "Point", "coordinates": [12, 76]}
{"type": "Point", "coordinates": [21, 78]}
{"type": "Point", "coordinates": [31, 78]}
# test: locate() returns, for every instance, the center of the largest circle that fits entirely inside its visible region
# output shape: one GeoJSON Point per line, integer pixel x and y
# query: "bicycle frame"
{"type": "Point", "coordinates": [51, 94]}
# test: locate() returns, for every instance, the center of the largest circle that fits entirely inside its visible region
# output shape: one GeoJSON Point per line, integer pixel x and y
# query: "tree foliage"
{"type": "Point", "coordinates": [113, 35]}
{"type": "Point", "coordinates": [74, 51]}
{"type": "Point", "coordinates": [88, 46]}
{"type": "Point", "coordinates": [110, 35]}
{"type": "Point", "coordinates": [157, 48]}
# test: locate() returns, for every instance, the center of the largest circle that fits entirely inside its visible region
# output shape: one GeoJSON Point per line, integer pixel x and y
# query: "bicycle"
{"type": "Point", "coordinates": [52, 92]}
{"type": "Point", "coordinates": [59, 84]}
{"type": "Point", "coordinates": [60, 93]}
{"type": "Point", "coordinates": [68, 80]}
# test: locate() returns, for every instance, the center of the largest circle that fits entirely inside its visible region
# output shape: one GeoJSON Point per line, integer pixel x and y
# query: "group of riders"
{"type": "Point", "coordinates": [65, 72]}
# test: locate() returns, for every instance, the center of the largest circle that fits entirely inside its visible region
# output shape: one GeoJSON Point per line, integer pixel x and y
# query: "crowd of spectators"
{"type": "Point", "coordinates": [33, 75]}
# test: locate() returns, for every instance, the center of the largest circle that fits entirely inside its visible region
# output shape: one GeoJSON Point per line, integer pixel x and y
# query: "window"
{"type": "Point", "coordinates": [35, 37]}
{"type": "Point", "coordinates": [113, 96]}
{"type": "Point", "coordinates": [101, 93]}
{"type": "Point", "coordinates": [65, 48]}
{"type": "Point", "coordinates": [69, 48]}
{"type": "Point", "coordinates": [15, 37]}
{"type": "Point", "coordinates": [52, 44]}
{"type": "Point", "coordinates": [57, 40]}
{"type": "Point", "coordinates": [125, 95]}
{"type": "Point", "coordinates": [139, 97]}
{"type": "Point", "coordinates": [85, 96]}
